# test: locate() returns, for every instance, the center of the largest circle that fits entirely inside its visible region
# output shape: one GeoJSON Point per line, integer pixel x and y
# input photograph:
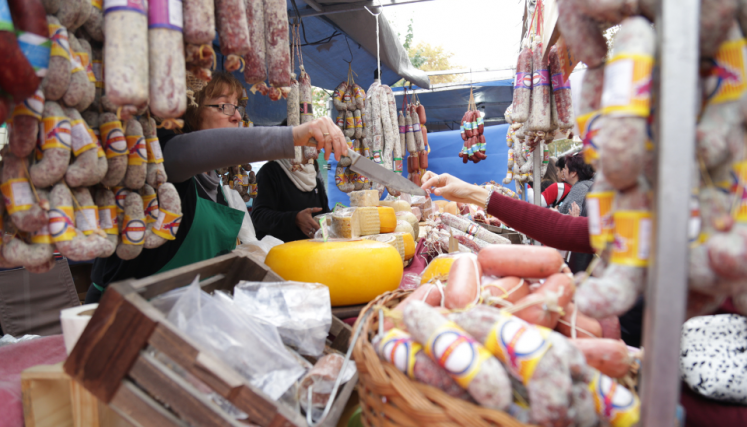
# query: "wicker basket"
{"type": "Point", "coordinates": [388, 398]}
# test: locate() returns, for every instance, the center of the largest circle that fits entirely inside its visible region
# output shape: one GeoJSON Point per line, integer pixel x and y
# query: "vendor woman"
{"type": "Point", "coordinates": [212, 140]}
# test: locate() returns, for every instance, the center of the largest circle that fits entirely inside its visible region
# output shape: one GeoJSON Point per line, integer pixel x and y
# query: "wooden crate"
{"type": "Point", "coordinates": [110, 360]}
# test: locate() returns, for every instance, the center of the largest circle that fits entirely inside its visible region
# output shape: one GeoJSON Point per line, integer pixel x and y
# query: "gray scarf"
{"type": "Point", "coordinates": [304, 180]}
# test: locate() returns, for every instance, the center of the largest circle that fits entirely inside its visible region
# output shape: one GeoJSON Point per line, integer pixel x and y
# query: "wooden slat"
{"type": "Point", "coordinates": [340, 402]}
{"type": "Point", "coordinates": [348, 311]}
{"type": "Point", "coordinates": [109, 345]}
{"type": "Point", "coordinates": [158, 284]}
{"type": "Point", "coordinates": [250, 269]}
{"type": "Point", "coordinates": [342, 333]}
{"type": "Point", "coordinates": [84, 405]}
{"type": "Point", "coordinates": [187, 402]}
{"type": "Point", "coordinates": [221, 378]}
{"type": "Point", "coordinates": [140, 410]}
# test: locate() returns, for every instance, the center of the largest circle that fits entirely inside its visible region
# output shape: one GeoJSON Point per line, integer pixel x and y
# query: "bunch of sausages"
{"type": "Point", "coordinates": [242, 179]}
{"type": "Point", "coordinates": [74, 177]}
{"type": "Point", "coordinates": [413, 136]}
{"type": "Point", "coordinates": [472, 134]}
{"type": "Point", "coordinates": [349, 100]}
{"type": "Point", "coordinates": [505, 330]}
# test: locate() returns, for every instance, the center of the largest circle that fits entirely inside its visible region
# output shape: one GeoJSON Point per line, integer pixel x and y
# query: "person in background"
{"type": "Point", "coordinates": [555, 192]}
{"type": "Point", "coordinates": [287, 201]}
{"type": "Point", "coordinates": [581, 176]}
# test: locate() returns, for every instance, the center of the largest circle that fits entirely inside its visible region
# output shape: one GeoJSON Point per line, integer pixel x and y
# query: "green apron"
{"type": "Point", "coordinates": [214, 231]}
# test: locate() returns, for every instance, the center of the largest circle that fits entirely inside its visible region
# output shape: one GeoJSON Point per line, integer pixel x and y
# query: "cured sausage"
{"type": "Point", "coordinates": [486, 381]}
{"type": "Point", "coordinates": [716, 17]}
{"type": "Point", "coordinates": [155, 171]}
{"type": "Point", "coordinates": [56, 81]}
{"type": "Point", "coordinates": [92, 119]}
{"type": "Point", "coordinates": [255, 70]}
{"type": "Point", "coordinates": [349, 124]}
{"type": "Point", "coordinates": [89, 94]}
{"type": "Point", "coordinates": [548, 384]}
{"type": "Point", "coordinates": [520, 261]}
{"type": "Point", "coordinates": [625, 104]}
{"type": "Point", "coordinates": [561, 92]}
{"type": "Point", "coordinates": [498, 292]}
{"type": "Point", "coordinates": [136, 159]}
{"type": "Point", "coordinates": [522, 86]}
{"type": "Point", "coordinates": [306, 107]}
{"type": "Point", "coordinates": [276, 43]}
{"type": "Point", "coordinates": [169, 217]}
{"type": "Point", "coordinates": [20, 201]}
{"type": "Point", "coordinates": [115, 147]}
{"type": "Point", "coordinates": [84, 11]}
{"type": "Point", "coordinates": [32, 32]}
{"type": "Point", "coordinates": [69, 241]}
{"type": "Point", "coordinates": [32, 251]}
{"type": "Point", "coordinates": [294, 116]}
{"type": "Point", "coordinates": [609, 357]}
{"type": "Point", "coordinates": [582, 35]}
{"type": "Point", "coordinates": [168, 80]}
{"type": "Point", "coordinates": [24, 130]}
{"type": "Point", "coordinates": [233, 31]}
{"type": "Point", "coordinates": [54, 146]}
{"type": "Point", "coordinates": [83, 170]}
{"type": "Point", "coordinates": [17, 77]}
{"type": "Point", "coordinates": [133, 228]}
{"type": "Point", "coordinates": [541, 113]}
{"type": "Point", "coordinates": [590, 113]}
{"type": "Point", "coordinates": [87, 222]}
{"type": "Point", "coordinates": [94, 25]}
{"type": "Point", "coordinates": [544, 306]}
{"type": "Point", "coordinates": [51, 6]}
{"type": "Point", "coordinates": [464, 283]}
{"type": "Point", "coordinates": [126, 52]}
{"type": "Point", "coordinates": [199, 21]}
{"type": "Point", "coordinates": [108, 220]}
{"type": "Point", "coordinates": [398, 348]}
{"type": "Point", "coordinates": [98, 74]}
{"type": "Point", "coordinates": [608, 11]}
{"type": "Point", "coordinates": [585, 327]}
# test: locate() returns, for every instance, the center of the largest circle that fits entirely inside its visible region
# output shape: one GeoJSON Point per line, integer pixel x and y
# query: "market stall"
{"type": "Point", "coordinates": [458, 319]}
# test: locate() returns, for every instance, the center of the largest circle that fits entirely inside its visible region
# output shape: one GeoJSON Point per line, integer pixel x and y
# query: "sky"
{"type": "Point", "coordinates": [481, 33]}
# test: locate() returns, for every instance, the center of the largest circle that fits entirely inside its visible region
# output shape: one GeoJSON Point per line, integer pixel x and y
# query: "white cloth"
{"type": "Point", "coordinates": [234, 200]}
{"type": "Point", "coordinates": [304, 179]}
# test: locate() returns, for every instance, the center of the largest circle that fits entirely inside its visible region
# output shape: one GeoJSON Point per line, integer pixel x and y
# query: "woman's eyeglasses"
{"type": "Point", "coordinates": [228, 109]}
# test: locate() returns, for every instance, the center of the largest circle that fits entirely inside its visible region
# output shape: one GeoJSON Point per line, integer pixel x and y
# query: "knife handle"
{"type": "Point", "coordinates": [351, 153]}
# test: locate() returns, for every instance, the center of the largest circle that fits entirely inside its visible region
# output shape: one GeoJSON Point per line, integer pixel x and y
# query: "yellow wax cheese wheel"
{"type": "Point", "coordinates": [338, 265]}
{"type": "Point", "coordinates": [409, 246]}
{"type": "Point", "coordinates": [388, 219]}
{"type": "Point", "coordinates": [438, 269]}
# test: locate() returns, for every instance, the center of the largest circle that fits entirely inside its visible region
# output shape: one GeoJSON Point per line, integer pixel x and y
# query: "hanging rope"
{"type": "Point", "coordinates": [378, 54]}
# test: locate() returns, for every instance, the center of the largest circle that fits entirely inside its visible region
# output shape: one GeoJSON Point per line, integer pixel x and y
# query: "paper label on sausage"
{"type": "Point", "coordinates": [85, 61]}
{"type": "Point", "coordinates": [133, 231]}
{"type": "Point", "coordinates": [98, 71]}
{"type": "Point", "coordinates": [36, 49]}
{"type": "Point", "coordinates": [75, 63]}
{"type": "Point", "coordinates": [6, 22]}
{"type": "Point", "coordinates": [17, 195]}
{"type": "Point", "coordinates": [416, 127]}
{"type": "Point", "coordinates": [693, 225]}
{"type": "Point", "coordinates": [349, 122]}
{"type": "Point", "coordinates": [739, 190]}
{"type": "Point", "coordinates": [588, 126]}
{"type": "Point", "coordinates": [253, 190]}
{"type": "Point", "coordinates": [627, 85]}
{"type": "Point", "coordinates": [124, 5]}
{"type": "Point", "coordinates": [98, 4]}
{"type": "Point", "coordinates": [519, 345]}
{"type": "Point", "coordinates": [457, 352]}
{"type": "Point", "coordinates": [559, 83]}
{"type": "Point", "coordinates": [167, 224]}
{"type": "Point", "coordinates": [541, 78]}
{"type": "Point", "coordinates": [108, 219]}
{"type": "Point", "coordinates": [728, 72]}
{"type": "Point", "coordinates": [87, 219]}
{"type": "Point", "coordinates": [601, 226]}
{"type": "Point", "coordinates": [358, 122]}
{"type": "Point", "coordinates": [99, 150]}
{"type": "Point", "coordinates": [154, 150]}
{"type": "Point", "coordinates": [398, 164]}
{"type": "Point", "coordinates": [113, 135]}
{"type": "Point", "coordinates": [42, 236]}
{"type": "Point", "coordinates": [341, 121]}
{"type": "Point", "coordinates": [523, 80]}
{"type": "Point", "coordinates": [61, 225]}
{"type": "Point", "coordinates": [165, 14]}
{"type": "Point", "coordinates": [138, 153]}
{"type": "Point", "coordinates": [81, 137]}
{"type": "Point", "coordinates": [614, 402]}
{"type": "Point", "coordinates": [340, 177]}
{"type": "Point", "coordinates": [150, 202]}
{"type": "Point", "coordinates": [32, 106]}
{"type": "Point", "coordinates": [60, 43]}
{"type": "Point", "coordinates": [120, 193]}
{"type": "Point", "coordinates": [306, 108]}
{"type": "Point", "coordinates": [398, 348]}
{"type": "Point", "coordinates": [632, 241]}
{"type": "Point", "coordinates": [56, 133]}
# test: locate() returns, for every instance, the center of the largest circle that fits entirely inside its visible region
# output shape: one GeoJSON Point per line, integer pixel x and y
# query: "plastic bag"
{"type": "Point", "coordinates": [321, 379]}
{"type": "Point", "coordinates": [187, 302]}
{"type": "Point", "coordinates": [410, 281]}
{"type": "Point", "coordinates": [259, 248]}
{"type": "Point", "coordinates": [8, 339]}
{"type": "Point", "coordinates": [254, 349]}
{"type": "Point", "coordinates": [301, 311]}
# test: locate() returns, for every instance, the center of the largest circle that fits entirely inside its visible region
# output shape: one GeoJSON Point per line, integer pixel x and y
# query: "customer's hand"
{"type": "Point", "coordinates": [575, 210]}
{"type": "Point", "coordinates": [306, 223]}
{"type": "Point", "coordinates": [454, 189]}
{"type": "Point", "coordinates": [328, 137]}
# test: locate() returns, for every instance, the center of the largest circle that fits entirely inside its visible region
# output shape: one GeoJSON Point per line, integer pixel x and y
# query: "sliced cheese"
{"type": "Point", "coordinates": [369, 222]}
{"type": "Point", "coordinates": [364, 198]}
{"type": "Point", "coordinates": [407, 243]}
{"type": "Point", "coordinates": [393, 239]}
{"type": "Point", "coordinates": [346, 223]}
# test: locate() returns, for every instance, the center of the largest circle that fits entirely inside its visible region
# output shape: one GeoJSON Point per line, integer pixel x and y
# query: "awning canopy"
{"type": "Point", "coordinates": [330, 41]}
{"type": "Point", "coordinates": [446, 104]}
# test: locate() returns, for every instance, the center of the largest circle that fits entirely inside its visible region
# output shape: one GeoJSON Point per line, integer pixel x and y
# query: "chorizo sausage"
{"type": "Point", "coordinates": [277, 44]}
{"type": "Point", "coordinates": [56, 81]}
{"type": "Point", "coordinates": [136, 160]}
{"type": "Point", "coordinates": [126, 53]}
{"type": "Point", "coordinates": [233, 31]}
{"type": "Point", "coordinates": [108, 220]}
{"type": "Point", "coordinates": [168, 79]}
{"type": "Point", "coordinates": [51, 6]}
{"type": "Point", "coordinates": [255, 70]}
{"type": "Point", "coordinates": [24, 129]}
{"type": "Point", "coordinates": [486, 381]}
{"type": "Point", "coordinates": [521, 261]}
{"type": "Point", "coordinates": [544, 307]}
{"type": "Point", "coordinates": [522, 86]}
{"type": "Point", "coordinates": [585, 327]}
{"type": "Point", "coordinates": [54, 146]}
{"type": "Point", "coordinates": [507, 289]}
{"type": "Point", "coordinates": [561, 92]}
{"type": "Point", "coordinates": [82, 171]}
{"type": "Point", "coordinates": [609, 11]}
{"type": "Point", "coordinates": [464, 282]}
{"type": "Point", "coordinates": [133, 228]}
{"type": "Point", "coordinates": [610, 357]}
{"type": "Point", "coordinates": [716, 17]}
{"type": "Point", "coordinates": [115, 147]}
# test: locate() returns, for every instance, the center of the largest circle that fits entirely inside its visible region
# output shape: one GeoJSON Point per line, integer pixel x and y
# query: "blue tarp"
{"type": "Point", "coordinates": [445, 147]}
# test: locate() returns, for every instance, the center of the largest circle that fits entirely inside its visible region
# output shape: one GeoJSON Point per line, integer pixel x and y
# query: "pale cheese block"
{"type": "Point", "coordinates": [346, 223]}
{"type": "Point", "coordinates": [368, 220]}
{"type": "Point", "coordinates": [364, 198]}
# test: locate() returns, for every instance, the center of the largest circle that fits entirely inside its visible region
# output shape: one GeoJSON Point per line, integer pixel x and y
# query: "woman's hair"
{"type": "Point", "coordinates": [560, 163]}
{"type": "Point", "coordinates": [576, 163]}
{"type": "Point", "coordinates": [220, 84]}
{"type": "Point", "coordinates": [552, 173]}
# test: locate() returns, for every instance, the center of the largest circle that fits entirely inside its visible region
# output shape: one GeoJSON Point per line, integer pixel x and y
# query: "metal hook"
{"type": "Point", "coordinates": [374, 14]}
{"type": "Point", "coordinates": [332, 395]}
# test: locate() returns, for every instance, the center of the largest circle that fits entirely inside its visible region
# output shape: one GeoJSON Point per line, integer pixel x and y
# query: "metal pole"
{"type": "Point", "coordinates": [667, 275]}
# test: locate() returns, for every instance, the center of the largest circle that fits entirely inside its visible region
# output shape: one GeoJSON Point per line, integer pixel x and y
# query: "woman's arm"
{"type": "Point", "coordinates": [196, 152]}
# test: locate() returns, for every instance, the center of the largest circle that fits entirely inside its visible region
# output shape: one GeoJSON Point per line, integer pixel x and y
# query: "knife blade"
{"type": "Point", "coordinates": [378, 173]}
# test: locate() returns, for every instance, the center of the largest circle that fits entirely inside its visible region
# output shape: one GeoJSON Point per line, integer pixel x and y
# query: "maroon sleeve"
{"type": "Point", "coordinates": [550, 228]}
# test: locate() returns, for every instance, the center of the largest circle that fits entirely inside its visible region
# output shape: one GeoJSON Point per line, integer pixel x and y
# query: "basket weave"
{"type": "Point", "coordinates": [388, 398]}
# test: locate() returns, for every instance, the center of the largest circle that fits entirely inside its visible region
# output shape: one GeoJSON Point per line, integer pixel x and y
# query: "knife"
{"type": "Point", "coordinates": [378, 173]}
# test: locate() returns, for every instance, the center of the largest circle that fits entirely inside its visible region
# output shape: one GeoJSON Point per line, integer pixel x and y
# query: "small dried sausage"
{"type": "Point", "coordinates": [136, 159]}
{"type": "Point", "coordinates": [82, 171]}
{"type": "Point", "coordinates": [255, 70]}
{"type": "Point", "coordinates": [133, 228]}
{"type": "Point", "coordinates": [276, 43]}
{"type": "Point", "coordinates": [56, 81]}
{"type": "Point", "coordinates": [54, 145]}
{"type": "Point", "coordinates": [233, 31]}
